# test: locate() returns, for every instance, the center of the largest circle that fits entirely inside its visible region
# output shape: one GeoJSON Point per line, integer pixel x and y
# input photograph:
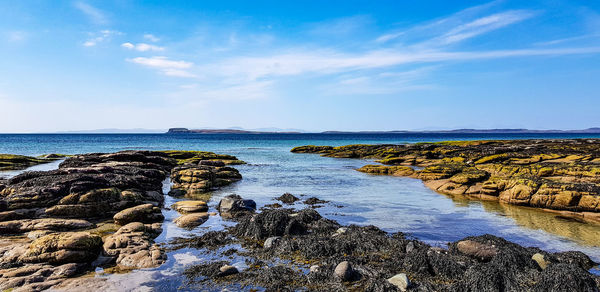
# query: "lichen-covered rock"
{"type": "Point", "coordinates": [550, 174]}
{"type": "Point", "coordinates": [191, 220]}
{"type": "Point", "coordinates": [62, 248]}
{"type": "Point", "coordinates": [146, 213]}
{"type": "Point", "coordinates": [132, 246]}
{"type": "Point", "coordinates": [202, 177]}
{"type": "Point", "coordinates": [26, 225]}
{"type": "Point", "coordinates": [190, 206]}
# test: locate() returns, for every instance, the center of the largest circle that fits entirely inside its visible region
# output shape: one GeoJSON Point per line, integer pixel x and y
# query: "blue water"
{"type": "Point", "coordinates": [392, 203]}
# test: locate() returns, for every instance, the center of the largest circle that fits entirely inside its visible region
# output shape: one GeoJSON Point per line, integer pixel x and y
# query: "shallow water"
{"type": "Point", "coordinates": [394, 204]}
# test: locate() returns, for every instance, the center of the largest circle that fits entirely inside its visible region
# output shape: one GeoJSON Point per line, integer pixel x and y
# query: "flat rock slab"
{"type": "Point", "coordinates": [26, 225]}
{"type": "Point", "coordinates": [190, 206]}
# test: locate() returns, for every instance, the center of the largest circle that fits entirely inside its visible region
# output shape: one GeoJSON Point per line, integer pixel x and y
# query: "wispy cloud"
{"type": "Point", "coordinates": [166, 66]}
{"type": "Point", "coordinates": [151, 38]}
{"type": "Point", "coordinates": [99, 37]}
{"type": "Point", "coordinates": [483, 25]}
{"type": "Point", "coordinates": [94, 14]}
{"type": "Point", "coordinates": [142, 47]}
{"type": "Point", "coordinates": [570, 39]}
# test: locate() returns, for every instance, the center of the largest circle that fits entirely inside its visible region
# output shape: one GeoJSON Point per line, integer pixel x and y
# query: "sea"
{"type": "Point", "coordinates": [395, 204]}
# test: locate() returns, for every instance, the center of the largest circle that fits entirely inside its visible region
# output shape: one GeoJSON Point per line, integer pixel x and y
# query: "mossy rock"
{"type": "Point", "coordinates": [469, 175]}
{"type": "Point", "coordinates": [387, 170]}
{"type": "Point", "coordinates": [13, 162]}
{"type": "Point", "coordinates": [184, 157]}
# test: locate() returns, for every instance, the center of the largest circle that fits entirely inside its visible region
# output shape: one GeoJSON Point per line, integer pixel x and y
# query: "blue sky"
{"type": "Point", "coordinates": [312, 65]}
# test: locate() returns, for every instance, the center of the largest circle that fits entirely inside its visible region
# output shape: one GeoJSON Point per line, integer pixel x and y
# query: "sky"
{"type": "Point", "coordinates": [310, 65]}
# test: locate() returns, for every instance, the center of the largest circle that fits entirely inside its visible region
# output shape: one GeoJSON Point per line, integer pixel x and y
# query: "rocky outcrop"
{"type": "Point", "coordinates": [549, 174]}
{"type": "Point", "coordinates": [203, 176]}
{"type": "Point", "coordinates": [81, 195]}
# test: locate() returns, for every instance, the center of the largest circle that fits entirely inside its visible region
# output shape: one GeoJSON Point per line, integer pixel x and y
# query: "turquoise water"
{"type": "Point", "coordinates": [392, 203]}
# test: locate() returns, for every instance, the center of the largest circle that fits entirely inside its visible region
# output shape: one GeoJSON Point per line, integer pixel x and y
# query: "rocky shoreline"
{"type": "Point", "coordinates": [289, 249]}
{"type": "Point", "coordinates": [555, 175]}
{"type": "Point", "coordinates": [106, 210]}
{"type": "Point", "coordinates": [97, 210]}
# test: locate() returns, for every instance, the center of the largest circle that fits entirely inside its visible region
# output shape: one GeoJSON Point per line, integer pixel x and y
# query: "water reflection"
{"type": "Point", "coordinates": [580, 231]}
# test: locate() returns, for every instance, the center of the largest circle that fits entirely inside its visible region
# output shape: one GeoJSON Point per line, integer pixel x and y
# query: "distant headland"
{"type": "Point", "coordinates": [595, 130]}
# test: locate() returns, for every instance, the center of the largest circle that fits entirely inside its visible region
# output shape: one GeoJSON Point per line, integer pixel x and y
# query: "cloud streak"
{"type": "Point", "coordinates": [94, 14]}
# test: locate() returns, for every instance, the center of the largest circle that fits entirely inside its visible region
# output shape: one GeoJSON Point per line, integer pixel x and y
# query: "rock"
{"type": "Point", "coordinates": [288, 198]}
{"type": "Point", "coordinates": [36, 277]}
{"type": "Point", "coordinates": [314, 201]}
{"type": "Point", "coordinates": [191, 220]}
{"type": "Point", "coordinates": [340, 231]}
{"type": "Point", "coordinates": [145, 213]}
{"type": "Point", "coordinates": [410, 247]}
{"type": "Point", "coordinates": [232, 205]}
{"type": "Point", "coordinates": [25, 225]}
{"type": "Point", "coordinates": [190, 206]}
{"type": "Point", "coordinates": [314, 269]}
{"type": "Point", "coordinates": [33, 235]}
{"type": "Point", "coordinates": [344, 271]}
{"type": "Point", "coordinates": [61, 248]}
{"type": "Point", "coordinates": [132, 246]}
{"type": "Point", "coordinates": [483, 252]}
{"type": "Point", "coordinates": [203, 177]}
{"type": "Point", "coordinates": [400, 280]}
{"type": "Point", "coordinates": [227, 270]}
{"type": "Point", "coordinates": [271, 241]}
{"type": "Point", "coordinates": [539, 259]}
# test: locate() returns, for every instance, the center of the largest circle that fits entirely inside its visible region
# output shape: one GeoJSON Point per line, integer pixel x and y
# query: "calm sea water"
{"type": "Point", "coordinates": [392, 203]}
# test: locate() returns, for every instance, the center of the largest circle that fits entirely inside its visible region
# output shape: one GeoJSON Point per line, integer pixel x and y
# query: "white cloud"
{"type": "Point", "coordinates": [142, 47]}
{"type": "Point", "coordinates": [151, 38]}
{"type": "Point", "coordinates": [161, 62]}
{"type": "Point", "coordinates": [93, 13]}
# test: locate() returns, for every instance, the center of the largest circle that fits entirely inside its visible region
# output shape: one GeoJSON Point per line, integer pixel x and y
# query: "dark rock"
{"type": "Point", "coordinates": [233, 206]}
{"type": "Point", "coordinates": [288, 198]}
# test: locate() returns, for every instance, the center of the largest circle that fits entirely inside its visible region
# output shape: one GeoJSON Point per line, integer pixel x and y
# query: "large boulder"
{"type": "Point", "coordinates": [62, 248]}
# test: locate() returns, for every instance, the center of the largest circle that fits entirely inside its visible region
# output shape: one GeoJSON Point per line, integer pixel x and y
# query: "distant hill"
{"type": "Point", "coordinates": [224, 131]}
{"type": "Point", "coordinates": [483, 131]}
{"type": "Point", "coordinates": [456, 131]}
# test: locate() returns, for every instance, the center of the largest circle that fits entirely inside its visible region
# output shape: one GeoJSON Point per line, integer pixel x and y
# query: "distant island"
{"type": "Point", "coordinates": [595, 130]}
